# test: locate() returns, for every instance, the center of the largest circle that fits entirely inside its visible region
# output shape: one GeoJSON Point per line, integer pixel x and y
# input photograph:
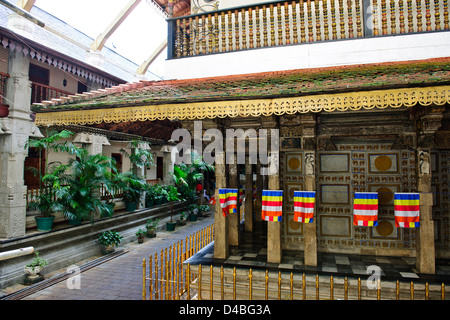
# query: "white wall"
{"type": "Point", "coordinates": [313, 55]}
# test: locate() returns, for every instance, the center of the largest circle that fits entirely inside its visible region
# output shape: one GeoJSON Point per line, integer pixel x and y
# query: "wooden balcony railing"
{"type": "Point", "coordinates": [293, 22]}
{"type": "Point", "coordinates": [40, 92]}
{"type": "Point", "coordinates": [3, 80]}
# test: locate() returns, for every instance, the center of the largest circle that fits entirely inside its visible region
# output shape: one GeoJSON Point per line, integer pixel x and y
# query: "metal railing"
{"type": "Point", "coordinates": [291, 22]}
{"type": "Point", "coordinates": [164, 278]}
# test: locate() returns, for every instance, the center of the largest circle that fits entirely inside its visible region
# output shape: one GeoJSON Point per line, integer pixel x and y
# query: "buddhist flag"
{"type": "Point", "coordinates": [365, 209]}
{"type": "Point", "coordinates": [228, 201]}
{"type": "Point", "coordinates": [241, 196]}
{"type": "Point", "coordinates": [304, 206]}
{"type": "Point", "coordinates": [406, 210]}
{"type": "Point", "coordinates": [272, 202]}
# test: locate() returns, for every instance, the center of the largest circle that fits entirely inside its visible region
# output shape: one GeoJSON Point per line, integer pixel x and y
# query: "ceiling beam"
{"type": "Point", "coordinates": [98, 44]}
{"type": "Point", "coordinates": [26, 4]}
{"type": "Point", "coordinates": [144, 66]}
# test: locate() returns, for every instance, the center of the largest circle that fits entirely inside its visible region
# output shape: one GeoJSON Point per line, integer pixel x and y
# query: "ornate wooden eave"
{"type": "Point", "coordinates": [351, 101]}
{"type": "Point", "coordinates": [392, 85]}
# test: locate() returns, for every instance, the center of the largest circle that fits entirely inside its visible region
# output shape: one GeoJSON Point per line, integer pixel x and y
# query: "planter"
{"type": "Point", "coordinates": [44, 223]}
{"type": "Point", "coordinates": [74, 221]}
{"type": "Point", "coordinates": [32, 273]}
{"type": "Point", "coordinates": [108, 249]}
{"type": "Point", "coordinates": [140, 239]}
{"type": "Point", "coordinates": [4, 110]}
{"type": "Point", "coordinates": [181, 222]}
{"type": "Point", "coordinates": [149, 203]}
{"type": "Point", "coordinates": [170, 226]}
{"type": "Point", "coordinates": [192, 217]}
{"type": "Point", "coordinates": [151, 233]}
{"type": "Point", "coordinates": [130, 206]}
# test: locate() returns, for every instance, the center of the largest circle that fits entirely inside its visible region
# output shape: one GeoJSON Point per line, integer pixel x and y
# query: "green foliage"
{"type": "Point", "coordinates": [141, 233]}
{"type": "Point", "coordinates": [44, 202]}
{"type": "Point", "coordinates": [186, 176]}
{"type": "Point", "coordinates": [140, 155]}
{"type": "Point", "coordinates": [37, 262]}
{"type": "Point", "coordinates": [109, 238]}
{"type": "Point", "coordinates": [78, 182]}
{"type": "Point", "coordinates": [152, 224]}
{"type": "Point", "coordinates": [130, 184]}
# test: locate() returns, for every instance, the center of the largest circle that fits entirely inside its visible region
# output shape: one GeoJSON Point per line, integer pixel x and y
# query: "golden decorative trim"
{"type": "Point", "coordinates": [352, 101]}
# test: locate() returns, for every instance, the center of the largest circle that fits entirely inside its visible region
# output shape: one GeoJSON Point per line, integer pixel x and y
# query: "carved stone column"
{"type": "Point", "coordinates": [274, 252]}
{"type": "Point", "coordinates": [310, 229]}
{"type": "Point", "coordinates": [14, 133]}
{"type": "Point", "coordinates": [425, 249]}
{"type": "Point", "coordinates": [233, 219]}
{"type": "Point", "coordinates": [248, 210]}
{"type": "Point", "coordinates": [220, 222]}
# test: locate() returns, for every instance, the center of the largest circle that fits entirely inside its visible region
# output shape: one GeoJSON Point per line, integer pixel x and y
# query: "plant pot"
{"type": "Point", "coordinates": [140, 239]}
{"type": "Point", "coordinates": [44, 223]}
{"type": "Point", "coordinates": [151, 233]}
{"type": "Point", "coordinates": [170, 226]}
{"type": "Point", "coordinates": [108, 249]}
{"type": "Point", "coordinates": [74, 221]}
{"type": "Point", "coordinates": [33, 273]}
{"type": "Point", "coordinates": [192, 217]}
{"type": "Point", "coordinates": [130, 206]}
{"type": "Point", "coordinates": [181, 222]}
{"type": "Point", "coordinates": [4, 110]}
{"type": "Point", "coordinates": [149, 203]}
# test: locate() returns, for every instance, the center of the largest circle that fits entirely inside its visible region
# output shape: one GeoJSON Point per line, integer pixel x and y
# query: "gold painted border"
{"type": "Point", "coordinates": [380, 99]}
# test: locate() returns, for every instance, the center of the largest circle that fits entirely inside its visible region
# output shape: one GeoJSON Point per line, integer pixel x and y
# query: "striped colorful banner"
{"type": "Point", "coordinates": [241, 196]}
{"type": "Point", "coordinates": [304, 206]}
{"type": "Point", "coordinates": [272, 203]}
{"type": "Point", "coordinates": [407, 210]}
{"type": "Point", "coordinates": [365, 209]}
{"type": "Point", "coordinates": [228, 201]}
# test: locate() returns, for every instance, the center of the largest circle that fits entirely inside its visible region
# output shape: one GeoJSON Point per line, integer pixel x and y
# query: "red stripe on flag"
{"type": "Point", "coordinates": [304, 204]}
{"type": "Point", "coordinates": [406, 208]}
{"type": "Point", "coordinates": [365, 206]}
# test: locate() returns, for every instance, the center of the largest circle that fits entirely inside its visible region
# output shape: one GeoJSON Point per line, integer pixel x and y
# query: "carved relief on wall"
{"type": "Point", "coordinates": [199, 6]}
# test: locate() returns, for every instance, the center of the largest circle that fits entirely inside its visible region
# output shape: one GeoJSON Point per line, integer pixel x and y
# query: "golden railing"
{"type": "Point", "coordinates": [164, 278]}
{"type": "Point", "coordinates": [292, 22]}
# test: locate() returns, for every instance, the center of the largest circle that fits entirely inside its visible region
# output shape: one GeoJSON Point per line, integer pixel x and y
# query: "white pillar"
{"type": "Point", "coordinates": [16, 129]}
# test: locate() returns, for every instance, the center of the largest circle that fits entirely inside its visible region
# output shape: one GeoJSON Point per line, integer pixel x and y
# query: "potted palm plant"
{"type": "Point", "coordinates": [132, 188]}
{"type": "Point", "coordinates": [44, 201]}
{"type": "Point", "coordinates": [78, 183]}
{"type": "Point", "coordinates": [171, 196]}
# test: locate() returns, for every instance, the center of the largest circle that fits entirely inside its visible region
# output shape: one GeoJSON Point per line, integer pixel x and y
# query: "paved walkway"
{"type": "Point", "coordinates": [119, 278]}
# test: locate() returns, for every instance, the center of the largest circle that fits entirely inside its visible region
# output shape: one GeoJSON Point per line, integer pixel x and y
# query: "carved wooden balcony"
{"type": "Point", "coordinates": [297, 22]}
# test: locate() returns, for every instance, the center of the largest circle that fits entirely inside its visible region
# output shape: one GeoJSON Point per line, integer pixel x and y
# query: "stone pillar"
{"type": "Point", "coordinates": [233, 219]}
{"type": "Point", "coordinates": [425, 250]}
{"type": "Point", "coordinates": [220, 222]}
{"type": "Point", "coordinates": [308, 123]}
{"type": "Point", "coordinates": [310, 229]}
{"type": "Point", "coordinates": [274, 227]}
{"type": "Point", "coordinates": [248, 209]}
{"type": "Point", "coordinates": [15, 130]}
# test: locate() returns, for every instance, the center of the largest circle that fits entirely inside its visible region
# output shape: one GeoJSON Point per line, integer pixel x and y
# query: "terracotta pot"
{"type": "Point", "coordinates": [4, 110]}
